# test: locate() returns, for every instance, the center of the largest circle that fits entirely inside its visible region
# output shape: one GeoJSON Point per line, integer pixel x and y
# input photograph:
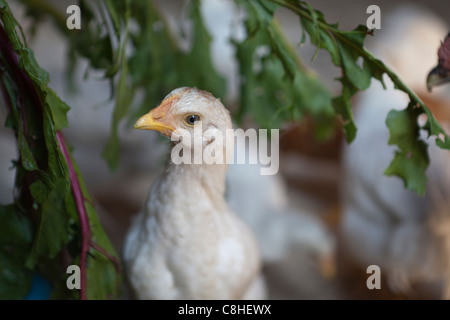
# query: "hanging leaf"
{"type": "Point", "coordinates": [123, 100]}
{"type": "Point", "coordinates": [276, 86]}
{"type": "Point", "coordinates": [48, 218]}
{"type": "Point", "coordinates": [411, 160]}
{"type": "Point", "coordinates": [346, 49]}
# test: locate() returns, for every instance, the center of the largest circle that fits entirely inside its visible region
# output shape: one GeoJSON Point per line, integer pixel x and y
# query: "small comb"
{"type": "Point", "coordinates": [444, 54]}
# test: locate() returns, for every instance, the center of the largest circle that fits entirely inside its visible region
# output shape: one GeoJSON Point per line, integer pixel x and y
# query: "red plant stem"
{"type": "Point", "coordinates": [107, 255]}
{"type": "Point", "coordinates": [82, 214]}
{"type": "Point", "coordinates": [86, 238]}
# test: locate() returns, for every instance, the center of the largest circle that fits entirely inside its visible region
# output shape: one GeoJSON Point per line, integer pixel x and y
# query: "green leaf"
{"type": "Point", "coordinates": [52, 233]}
{"type": "Point", "coordinates": [124, 94]}
{"type": "Point", "coordinates": [310, 95]}
{"type": "Point", "coordinates": [15, 228]}
{"type": "Point", "coordinates": [281, 87]}
{"type": "Point", "coordinates": [324, 40]}
{"type": "Point", "coordinates": [55, 167]}
{"type": "Point", "coordinates": [264, 10]}
{"type": "Point", "coordinates": [411, 160]}
{"type": "Point", "coordinates": [58, 109]}
{"type": "Point", "coordinates": [343, 106]}
{"type": "Point", "coordinates": [15, 280]}
{"type": "Point", "coordinates": [114, 13]}
{"type": "Point", "coordinates": [102, 277]}
{"type": "Point", "coordinates": [111, 151]}
{"type": "Point", "coordinates": [39, 191]}
{"type": "Point", "coordinates": [158, 51]}
{"type": "Point", "coordinates": [15, 238]}
{"type": "Point", "coordinates": [359, 77]}
{"type": "Point", "coordinates": [12, 118]}
{"type": "Point", "coordinates": [28, 63]}
{"type": "Point", "coordinates": [28, 161]}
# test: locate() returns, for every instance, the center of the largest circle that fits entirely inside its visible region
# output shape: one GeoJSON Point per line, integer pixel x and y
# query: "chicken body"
{"type": "Point", "coordinates": [186, 243]}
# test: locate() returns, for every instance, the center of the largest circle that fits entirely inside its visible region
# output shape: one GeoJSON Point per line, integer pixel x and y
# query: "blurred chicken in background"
{"type": "Point", "coordinates": [297, 248]}
{"type": "Point", "coordinates": [384, 224]}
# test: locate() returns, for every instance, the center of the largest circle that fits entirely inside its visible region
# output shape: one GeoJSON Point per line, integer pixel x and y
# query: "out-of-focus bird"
{"type": "Point", "coordinates": [280, 227]}
{"type": "Point", "coordinates": [441, 73]}
{"type": "Point", "coordinates": [384, 224]}
{"type": "Point", "coordinates": [186, 243]}
{"type": "Point", "coordinates": [297, 248]}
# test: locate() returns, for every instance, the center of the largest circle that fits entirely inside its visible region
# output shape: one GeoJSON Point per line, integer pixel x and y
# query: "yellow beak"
{"type": "Point", "coordinates": [148, 122]}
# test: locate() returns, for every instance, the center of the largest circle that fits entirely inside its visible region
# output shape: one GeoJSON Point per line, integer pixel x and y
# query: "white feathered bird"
{"type": "Point", "coordinates": [280, 227]}
{"type": "Point", "coordinates": [186, 243]}
{"type": "Point", "coordinates": [384, 224]}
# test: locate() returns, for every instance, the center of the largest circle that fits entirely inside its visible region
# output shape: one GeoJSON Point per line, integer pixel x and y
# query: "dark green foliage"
{"type": "Point", "coordinates": [345, 48]}
{"type": "Point", "coordinates": [43, 224]}
{"type": "Point", "coordinates": [276, 87]}
{"type": "Point", "coordinates": [411, 160]}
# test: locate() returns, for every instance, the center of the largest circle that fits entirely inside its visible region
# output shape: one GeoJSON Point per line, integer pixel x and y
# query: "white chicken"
{"type": "Point", "coordinates": [384, 224]}
{"type": "Point", "coordinates": [186, 243]}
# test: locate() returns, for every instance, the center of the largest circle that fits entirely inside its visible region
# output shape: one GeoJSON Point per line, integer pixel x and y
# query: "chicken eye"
{"type": "Point", "coordinates": [191, 119]}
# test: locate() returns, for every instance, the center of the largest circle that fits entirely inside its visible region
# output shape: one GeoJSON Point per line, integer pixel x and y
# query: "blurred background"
{"type": "Point", "coordinates": [329, 212]}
